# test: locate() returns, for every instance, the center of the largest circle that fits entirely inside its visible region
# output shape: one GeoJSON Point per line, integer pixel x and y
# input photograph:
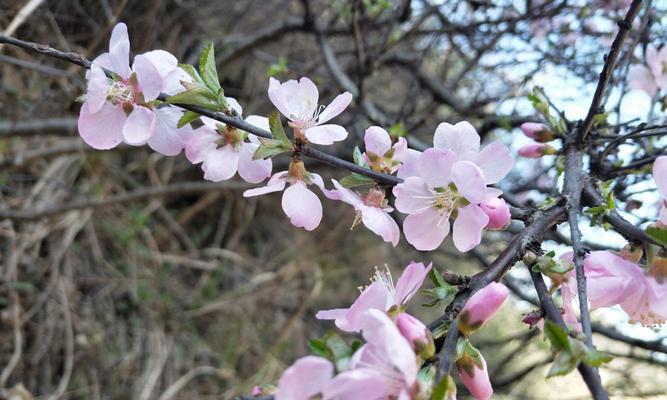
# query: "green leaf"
{"type": "Point", "coordinates": [445, 389]}
{"type": "Point", "coordinates": [358, 157]}
{"type": "Point", "coordinates": [187, 117]}
{"type": "Point", "coordinates": [277, 68]}
{"type": "Point", "coordinates": [208, 70]}
{"type": "Point", "coordinates": [190, 70]}
{"type": "Point", "coordinates": [355, 179]}
{"type": "Point", "coordinates": [277, 129]}
{"type": "Point", "coordinates": [596, 358]}
{"type": "Point", "coordinates": [440, 296]}
{"type": "Point", "coordinates": [556, 335]}
{"type": "Point", "coordinates": [319, 348]}
{"type": "Point", "coordinates": [564, 363]}
{"type": "Point", "coordinates": [269, 148]}
{"type": "Point", "coordinates": [195, 97]}
{"type": "Point", "coordinates": [658, 234]}
{"type": "Point", "coordinates": [436, 277]}
{"type": "Point", "coordinates": [398, 130]}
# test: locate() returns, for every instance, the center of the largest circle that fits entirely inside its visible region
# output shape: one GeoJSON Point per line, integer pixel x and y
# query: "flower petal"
{"type": "Point", "coordinates": [641, 78]}
{"type": "Point", "coordinates": [380, 223]}
{"type": "Point", "coordinates": [660, 175]}
{"type": "Point", "coordinates": [495, 161]}
{"type": "Point", "coordinates": [326, 134]}
{"type": "Point", "coordinates": [250, 170]}
{"type": "Point", "coordinates": [410, 281]}
{"type": "Point", "coordinates": [461, 138]}
{"type": "Point", "coordinates": [199, 143]}
{"type": "Point", "coordinates": [307, 377]}
{"type": "Point", "coordinates": [104, 129]}
{"type": "Point", "coordinates": [278, 96]}
{"type": "Point", "coordinates": [139, 126]}
{"type": "Point", "coordinates": [469, 181]}
{"type": "Point", "coordinates": [302, 206]}
{"type": "Point", "coordinates": [337, 106]}
{"type": "Point", "coordinates": [377, 140]}
{"type": "Point", "coordinates": [96, 91]}
{"type": "Point", "coordinates": [119, 51]}
{"type": "Point", "coordinates": [275, 184]}
{"type": "Point", "coordinates": [468, 227]}
{"type": "Point", "coordinates": [435, 166]}
{"type": "Point", "coordinates": [221, 164]}
{"type": "Point", "coordinates": [427, 230]}
{"type": "Point", "coordinates": [168, 139]}
{"type": "Point", "coordinates": [413, 196]}
{"type": "Point", "coordinates": [148, 76]}
{"type": "Point", "coordinates": [359, 384]}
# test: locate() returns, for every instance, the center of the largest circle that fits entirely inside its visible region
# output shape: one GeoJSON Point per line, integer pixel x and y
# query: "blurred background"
{"type": "Point", "coordinates": [124, 275]}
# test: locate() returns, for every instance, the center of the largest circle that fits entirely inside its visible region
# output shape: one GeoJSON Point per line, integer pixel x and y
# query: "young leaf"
{"type": "Point", "coordinates": [564, 363]}
{"type": "Point", "coordinates": [596, 358]}
{"type": "Point", "coordinates": [195, 97]}
{"type": "Point", "coordinates": [208, 70]}
{"type": "Point", "coordinates": [187, 117]}
{"type": "Point", "coordinates": [556, 335]}
{"type": "Point", "coordinates": [658, 234]}
{"type": "Point", "coordinates": [277, 128]}
{"type": "Point", "coordinates": [269, 148]}
{"type": "Point", "coordinates": [355, 179]}
{"type": "Point", "coordinates": [190, 70]}
{"type": "Point", "coordinates": [358, 158]}
{"type": "Point", "coordinates": [445, 389]}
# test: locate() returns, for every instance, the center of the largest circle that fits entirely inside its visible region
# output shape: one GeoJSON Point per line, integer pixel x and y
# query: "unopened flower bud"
{"type": "Point", "coordinates": [498, 212]}
{"type": "Point", "coordinates": [481, 306]}
{"type": "Point", "coordinates": [533, 318]}
{"type": "Point", "coordinates": [417, 334]}
{"type": "Point", "coordinates": [537, 131]}
{"type": "Point", "coordinates": [475, 375]}
{"type": "Point", "coordinates": [631, 252]}
{"type": "Point", "coordinates": [536, 150]}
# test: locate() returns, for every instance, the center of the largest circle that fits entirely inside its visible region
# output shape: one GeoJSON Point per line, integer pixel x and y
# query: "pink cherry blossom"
{"type": "Point", "coordinates": [417, 334]}
{"type": "Point", "coordinates": [497, 210]}
{"type": "Point", "coordinates": [381, 294]}
{"type": "Point", "coordinates": [120, 109]}
{"type": "Point", "coordinates": [372, 210]}
{"type": "Point", "coordinates": [481, 306]}
{"type": "Point", "coordinates": [381, 155]}
{"type": "Point", "coordinates": [476, 379]}
{"type": "Point", "coordinates": [300, 204]}
{"type": "Point", "coordinates": [298, 101]}
{"type": "Point", "coordinates": [385, 367]}
{"type": "Point", "coordinates": [612, 280]}
{"type": "Point", "coordinates": [306, 378]}
{"type": "Point", "coordinates": [653, 76]}
{"type": "Point", "coordinates": [536, 150]}
{"type": "Point", "coordinates": [224, 151]}
{"type": "Point", "coordinates": [660, 178]}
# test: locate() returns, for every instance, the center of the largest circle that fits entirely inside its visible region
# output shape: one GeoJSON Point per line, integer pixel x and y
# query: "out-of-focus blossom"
{"type": "Point", "coordinates": [653, 76]}
{"type": "Point", "coordinates": [451, 180]}
{"type": "Point", "coordinates": [223, 150]}
{"type": "Point", "coordinates": [121, 109]}
{"type": "Point", "coordinates": [660, 178]}
{"type": "Point", "coordinates": [306, 378]}
{"type": "Point", "coordinates": [300, 204]}
{"type": "Point", "coordinates": [372, 210]}
{"type": "Point", "coordinates": [537, 131]}
{"type": "Point", "coordinates": [417, 334]}
{"type": "Point", "coordinates": [475, 377]}
{"type": "Point", "coordinates": [381, 155]}
{"type": "Point", "coordinates": [384, 368]}
{"type": "Point", "coordinates": [481, 306]}
{"type": "Point", "coordinates": [381, 294]}
{"type": "Point", "coordinates": [298, 101]}
{"type": "Point", "coordinates": [536, 150]}
{"type": "Point", "coordinates": [612, 280]}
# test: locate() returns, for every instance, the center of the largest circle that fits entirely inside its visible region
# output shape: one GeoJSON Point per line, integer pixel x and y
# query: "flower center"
{"type": "Point", "coordinates": [121, 93]}
{"type": "Point", "coordinates": [445, 199]}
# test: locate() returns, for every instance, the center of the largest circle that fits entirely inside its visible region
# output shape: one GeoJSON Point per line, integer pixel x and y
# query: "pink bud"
{"type": "Point", "coordinates": [474, 378]}
{"type": "Point", "coordinates": [536, 150]}
{"type": "Point", "coordinates": [537, 131]}
{"type": "Point", "coordinates": [257, 391]}
{"type": "Point", "coordinates": [498, 212]}
{"type": "Point", "coordinates": [417, 334]}
{"type": "Point", "coordinates": [481, 306]}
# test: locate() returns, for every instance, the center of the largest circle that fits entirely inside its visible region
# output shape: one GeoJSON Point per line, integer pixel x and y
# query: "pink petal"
{"type": "Point", "coordinates": [461, 138]}
{"type": "Point", "coordinates": [302, 206]}
{"type": "Point", "coordinates": [199, 143]}
{"type": "Point", "coordinates": [478, 384]}
{"type": "Point", "coordinates": [278, 96]}
{"type": "Point", "coordinates": [307, 377]}
{"type": "Point", "coordinates": [468, 227]}
{"type": "Point", "coordinates": [235, 105]}
{"type": "Point", "coordinates": [413, 196]}
{"type": "Point", "coordinates": [139, 126]}
{"type": "Point", "coordinates": [326, 134]}
{"type": "Point", "coordinates": [337, 106]}
{"type": "Point", "coordinates": [119, 51]}
{"type": "Point", "coordinates": [275, 184]}
{"type": "Point", "coordinates": [660, 174]}
{"type": "Point", "coordinates": [481, 306]}
{"type": "Point", "coordinates": [148, 76]}
{"type": "Point", "coordinates": [380, 223]}
{"type": "Point", "coordinates": [164, 62]}
{"type": "Point", "coordinates": [348, 196]}
{"type": "Point", "coordinates": [375, 296]}
{"type": "Point", "coordinates": [169, 140]}
{"type": "Point", "coordinates": [253, 171]}
{"type": "Point", "coordinates": [409, 163]}
{"type": "Point", "coordinates": [104, 129]}
{"type": "Point", "coordinates": [377, 140]}
{"type": "Point", "coordinates": [495, 161]}
{"type": "Point", "coordinates": [172, 82]}
{"type": "Point", "coordinates": [221, 164]}
{"type": "Point", "coordinates": [427, 230]}
{"type": "Point", "coordinates": [653, 60]}
{"type": "Point", "coordinates": [498, 212]}
{"type": "Point", "coordinates": [359, 384]}
{"type": "Point", "coordinates": [96, 92]}
{"type": "Point", "coordinates": [410, 281]}
{"type": "Point", "coordinates": [258, 121]}
{"type": "Point", "coordinates": [435, 166]}
{"type": "Point", "coordinates": [303, 101]}
{"type": "Point", "coordinates": [641, 78]}
{"type": "Point", "coordinates": [469, 181]}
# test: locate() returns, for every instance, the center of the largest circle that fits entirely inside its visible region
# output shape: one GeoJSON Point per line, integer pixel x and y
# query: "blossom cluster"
{"type": "Point", "coordinates": [396, 359]}
{"type": "Point", "coordinates": [448, 182]}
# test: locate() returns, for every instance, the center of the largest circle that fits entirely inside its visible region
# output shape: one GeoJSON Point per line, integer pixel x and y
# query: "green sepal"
{"type": "Point", "coordinates": [358, 158]}
{"type": "Point", "coordinates": [445, 389]}
{"type": "Point", "coordinates": [277, 129]}
{"type": "Point", "coordinates": [186, 118]}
